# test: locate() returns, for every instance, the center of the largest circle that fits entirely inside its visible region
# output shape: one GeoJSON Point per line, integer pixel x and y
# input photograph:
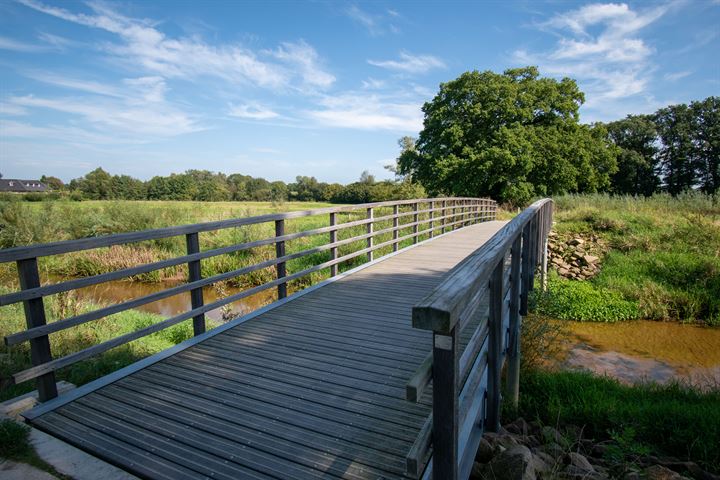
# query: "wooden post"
{"type": "Point", "coordinates": [432, 215]}
{"type": "Point", "coordinates": [445, 406]}
{"type": "Point", "coordinates": [525, 270]}
{"type": "Point", "coordinates": [333, 239]}
{"type": "Point", "coordinates": [35, 317]}
{"type": "Point", "coordinates": [543, 271]}
{"type": "Point", "coordinates": [396, 211]}
{"type": "Point", "coordinates": [443, 211]}
{"type": "Point", "coordinates": [370, 230]}
{"type": "Point", "coordinates": [415, 220]}
{"type": "Point", "coordinates": [280, 252]}
{"type": "Point", "coordinates": [192, 240]}
{"type": "Point", "coordinates": [513, 369]}
{"type": "Point", "coordinates": [495, 348]}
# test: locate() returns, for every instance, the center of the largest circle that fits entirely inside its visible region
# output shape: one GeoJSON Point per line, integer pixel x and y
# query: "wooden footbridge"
{"type": "Point", "coordinates": [387, 370]}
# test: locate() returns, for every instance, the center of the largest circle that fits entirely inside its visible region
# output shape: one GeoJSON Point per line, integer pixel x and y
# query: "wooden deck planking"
{"type": "Point", "coordinates": [314, 388]}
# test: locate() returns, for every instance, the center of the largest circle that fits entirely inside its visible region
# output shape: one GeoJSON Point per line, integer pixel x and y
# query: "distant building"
{"type": "Point", "coordinates": [22, 186]}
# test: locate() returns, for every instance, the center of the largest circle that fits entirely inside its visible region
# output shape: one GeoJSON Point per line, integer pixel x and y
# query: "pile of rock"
{"type": "Point", "coordinates": [576, 257]}
{"type": "Point", "coordinates": [529, 451]}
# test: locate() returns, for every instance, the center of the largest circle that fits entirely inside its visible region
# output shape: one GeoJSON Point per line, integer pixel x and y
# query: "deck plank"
{"type": "Point", "coordinates": [313, 388]}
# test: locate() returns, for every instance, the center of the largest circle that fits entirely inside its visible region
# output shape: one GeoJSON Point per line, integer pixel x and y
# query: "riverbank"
{"type": "Point", "coordinates": [655, 258]}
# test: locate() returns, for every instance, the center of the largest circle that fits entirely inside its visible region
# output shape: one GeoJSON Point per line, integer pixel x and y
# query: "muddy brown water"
{"type": "Point", "coordinates": [646, 350]}
{"type": "Point", "coordinates": [120, 291]}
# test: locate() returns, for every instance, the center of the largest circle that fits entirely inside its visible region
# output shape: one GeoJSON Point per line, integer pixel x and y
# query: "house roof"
{"type": "Point", "coordinates": [16, 185]}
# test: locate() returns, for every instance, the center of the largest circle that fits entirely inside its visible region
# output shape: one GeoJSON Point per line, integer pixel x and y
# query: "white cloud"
{"type": "Point", "coordinates": [600, 45]}
{"type": "Point", "coordinates": [143, 45]}
{"type": "Point", "coordinates": [368, 112]}
{"type": "Point", "coordinates": [252, 111]}
{"type": "Point", "coordinates": [18, 46]}
{"type": "Point", "coordinates": [409, 63]}
{"type": "Point", "coordinates": [675, 76]}
{"type": "Point", "coordinates": [375, 24]}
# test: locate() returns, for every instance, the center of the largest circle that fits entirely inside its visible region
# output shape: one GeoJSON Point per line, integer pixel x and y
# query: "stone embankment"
{"type": "Point", "coordinates": [529, 451]}
{"type": "Point", "coordinates": [576, 257]}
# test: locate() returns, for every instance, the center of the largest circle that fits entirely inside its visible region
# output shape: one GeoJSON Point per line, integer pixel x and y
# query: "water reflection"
{"type": "Point", "coordinates": [120, 291]}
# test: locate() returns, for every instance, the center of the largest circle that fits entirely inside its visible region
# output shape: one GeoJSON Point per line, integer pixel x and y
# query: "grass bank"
{"type": "Point", "coordinates": [664, 420]}
{"type": "Point", "coordinates": [662, 263]}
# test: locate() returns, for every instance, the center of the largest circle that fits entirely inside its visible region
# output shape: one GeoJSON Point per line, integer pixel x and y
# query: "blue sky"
{"type": "Point", "coordinates": [279, 89]}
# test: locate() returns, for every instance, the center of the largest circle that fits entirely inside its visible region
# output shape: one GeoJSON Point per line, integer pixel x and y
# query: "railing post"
{"type": "Point", "coordinates": [445, 406]}
{"type": "Point", "coordinates": [396, 211]}
{"type": "Point", "coordinates": [513, 369]}
{"type": "Point", "coordinates": [415, 220]}
{"type": "Point", "coordinates": [525, 270]}
{"type": "Point", "coordinates": [444, 212]}
{"type": "Point", "coordinates": [280, 252]}
{"type": "Point", "coordinates": [431, 216]}
{"type": "Point", "coordinates": [543, 271]}
{"type": "Point", "coordinates": [333, 239]}
{"type": "Point", "coordinates": [495, 348]}
{"type": "Point", "coordinates": [192, 240]}
{"type": "Point", "coordinates": [369, 231]}
{"type": "Point", "coordinates": [35, 317]}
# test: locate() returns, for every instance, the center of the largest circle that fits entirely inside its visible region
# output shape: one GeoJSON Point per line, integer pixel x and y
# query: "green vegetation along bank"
{"type": "Point", "coordinates": [661, 259]}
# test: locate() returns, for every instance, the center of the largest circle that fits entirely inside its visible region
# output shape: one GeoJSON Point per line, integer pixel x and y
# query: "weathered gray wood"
{"type": "Point", "coordinates": [495, 339]}
{"type": "Point", "coordinates": [415, 222]}
{"type": "Point", "coordinates": [395, 221]}
{"type": "Point", "coordinates": [192, 241]}
{"type": "Point", "coordinates": [513, 368]}
{"type": "Point", "coordinates": [35, 317]}
{"type": "Point", "coordinates": [431, 216]}
{"type": "Point", "coordinates": [333, 239]}
{"type": "Point", "coordinates": [445, 406]}
{"type": "Point", "coordinates": [370, 227]}
{"type": "Point", "coordinates": [525, 269]}
{"type": "Point", "coordinates": [419, 454]}
{"type": "Point", "coordinates": [280, 253]}
{"type": "Point", "coordinates": [443, 209]}
{"type": "Point", "coordinates": [420, 379]}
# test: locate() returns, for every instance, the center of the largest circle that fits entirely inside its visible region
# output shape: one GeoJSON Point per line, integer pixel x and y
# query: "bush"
{"type": "Point", "coordinates": [14, 439]}
{"type": "Point", "coordinates": [583, 301]}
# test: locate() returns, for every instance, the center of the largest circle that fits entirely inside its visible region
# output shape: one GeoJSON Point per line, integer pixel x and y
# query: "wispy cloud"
{"type": "Point", "coordinates": [675, 76]}
{"type": "Point", "coordinates": [143, 45]}
{"type": "Point", "coordinates": [409, 63]}
{"type": "Point", "coordinates": [18, 46]}
{"type": "Point", "coordinates": [601, 46]}
{"type": "Point", "coordinates": [252, 111]}
{"type": "Point", "coordinates": [368, 112]}
{"type": "Point", "coordinates": [376, 24]}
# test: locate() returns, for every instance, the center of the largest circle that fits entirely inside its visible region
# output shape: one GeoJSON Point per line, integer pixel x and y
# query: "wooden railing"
{"type": "Point", "coordinates": [435, 215]}
{"type": "Point", "coordinates": [475, 316]}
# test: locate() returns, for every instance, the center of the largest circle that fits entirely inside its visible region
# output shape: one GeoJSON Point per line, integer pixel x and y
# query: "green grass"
{"type": "Point", "coordinates": [664, 258]}
{"type": "Point", "coordinates": [671, 419]}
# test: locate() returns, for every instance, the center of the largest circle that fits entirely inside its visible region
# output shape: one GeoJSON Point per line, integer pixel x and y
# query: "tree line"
{"type": "Point", "coordinates": [514, 136]}
{"type": "Point", "coordinates": [204, 185]}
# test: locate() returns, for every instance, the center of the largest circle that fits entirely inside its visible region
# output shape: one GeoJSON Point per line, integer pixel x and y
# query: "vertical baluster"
{"type": "Point", "coordinates": [35, 317]}
{"type": "Point", "coordinates": [445, 406]}
{"type": "Point", "coordinates": [370, 230]}
{"type": "Point", "coordinates": [513, 369]}
{"type": "Point", "coordinates": [431, 216]}
{"type": "Point", "coordinates": [444, 212]}
{"type": "Point", "coordinates": [280, 252]}
{"type": "Point", "coordinates": [192, 241]}
{"type": "Point", "coordinates": [333, 239]}
{"type": "Point", "coordinates": [396, 211]}
{"type": "Point", "coordinates": [495, 348]}
{"type": "Point", "coordinates": [415, 221]}
{"type": "Point", "coordinates": [525, 261]}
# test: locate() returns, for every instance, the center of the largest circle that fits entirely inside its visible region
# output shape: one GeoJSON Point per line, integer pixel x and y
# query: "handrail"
{"type": "Point", "coordinates": [451, 213]}
{"type": "Point", "coordinates": [487, 292]}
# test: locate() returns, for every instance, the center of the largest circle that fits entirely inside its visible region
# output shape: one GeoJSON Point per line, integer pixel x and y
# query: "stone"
{"type": "Point", "coordinates": [658, 472]}
{"type": "Point", "coordinates": [515, 463]}
{"type": "Point", "coordinates": [518, 427]}
{"type": "Point", "coordinates": [15, 406]}
{"type": "Point", "coordinates": [580, 462]}
{"type": "Point", "coordinates": [10, 470]}
{"type": "Point", "coordinates": [552, 435]}
{"type": "Point", "coordinates": [575, 473]}
{"type": "Point", "coordinates": [485, 451]}
{"type": "Point", "coordinates": [563, 271]}
{"type": "Point", "coordinates": [553, 449]}
{"type": "Point", "coordinates": [576, 241]}
{"type": "Point", "coordinates": [590, 259]}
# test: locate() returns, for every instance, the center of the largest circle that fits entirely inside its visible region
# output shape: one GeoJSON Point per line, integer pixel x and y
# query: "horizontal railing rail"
{"type": "Point", "coordinates": [475, 316]}
{"type": "Point", "coordinates": [427, 217]}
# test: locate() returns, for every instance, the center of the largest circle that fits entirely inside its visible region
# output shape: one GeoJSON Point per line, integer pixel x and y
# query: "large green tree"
{"type": "Point", "coordinates": [510, 136]}
{"type": "Point", "coordinates": [636, 137]}
{"type": "Point", "coordinates": [706, 119]}
{"type": "Point", "coordinates": [677, 153]}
